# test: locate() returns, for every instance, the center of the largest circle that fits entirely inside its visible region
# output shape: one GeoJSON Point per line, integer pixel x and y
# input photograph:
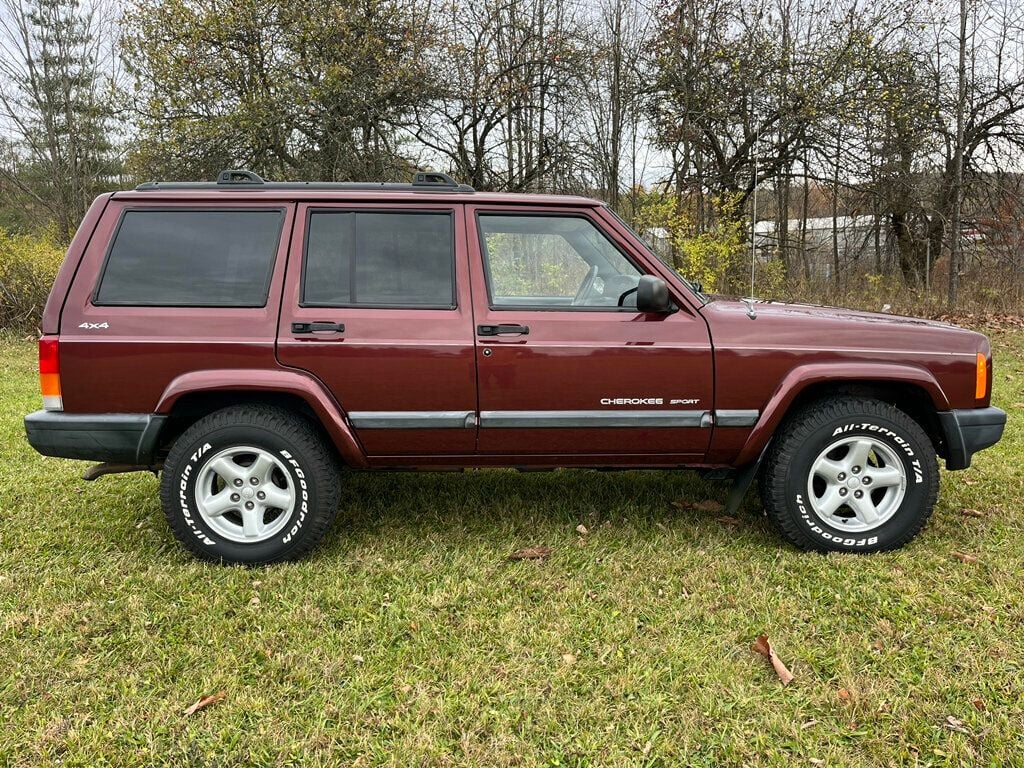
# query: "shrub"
{"type": "Point", "coordinates": [710, 257]}
{"type": "Point", "coordinates": [28, 266]}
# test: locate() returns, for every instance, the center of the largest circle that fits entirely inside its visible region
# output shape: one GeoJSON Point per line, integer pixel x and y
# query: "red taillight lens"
{"type": "Point", "coordinates": [49, 373]}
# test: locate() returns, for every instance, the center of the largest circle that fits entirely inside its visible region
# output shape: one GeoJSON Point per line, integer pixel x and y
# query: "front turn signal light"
{"type": "Point", "coordinates": [981, 382]}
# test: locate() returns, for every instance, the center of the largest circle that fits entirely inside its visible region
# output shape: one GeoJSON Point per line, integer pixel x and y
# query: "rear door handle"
{"type": "Point", "coordinates": [503, 330]}
{"type": "Point", "coordinates": [318, 327]}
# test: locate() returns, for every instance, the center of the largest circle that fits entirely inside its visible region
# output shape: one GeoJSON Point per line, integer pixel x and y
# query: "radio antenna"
{"type": "Point", "coordinates": [753, 217]}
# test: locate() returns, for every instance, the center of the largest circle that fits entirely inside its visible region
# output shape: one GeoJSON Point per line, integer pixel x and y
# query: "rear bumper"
{"type": "Point", "coordinates": [126, 438]}
{"type": "Point", "coordinates": [968, 431]}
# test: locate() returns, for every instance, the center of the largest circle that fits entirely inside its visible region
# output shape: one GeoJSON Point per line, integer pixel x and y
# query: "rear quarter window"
{"type": "Point", "coordinates": [191, 258]}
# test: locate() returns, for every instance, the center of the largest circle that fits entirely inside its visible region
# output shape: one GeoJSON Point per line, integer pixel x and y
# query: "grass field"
{"type": "Point", "coordinates": [411, 639]}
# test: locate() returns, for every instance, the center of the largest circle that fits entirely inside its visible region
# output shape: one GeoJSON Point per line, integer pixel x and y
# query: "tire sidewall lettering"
{"type": "Point", "coordinates": [303, 487]}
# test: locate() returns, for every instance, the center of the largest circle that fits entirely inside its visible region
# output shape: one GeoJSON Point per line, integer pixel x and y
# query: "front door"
{"type": "Point", "coordinates": [567, 366]}
{"type": "Point", "coordinates": [376, 305]}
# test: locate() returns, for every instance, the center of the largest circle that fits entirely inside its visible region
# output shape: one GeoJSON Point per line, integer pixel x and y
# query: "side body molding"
{"type": "Point", "coordinates": [262, 380]}
{"type": "Point", "coordinates": [803, 376]}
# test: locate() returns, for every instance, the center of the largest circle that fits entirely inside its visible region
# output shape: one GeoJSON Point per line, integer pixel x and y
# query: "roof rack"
{"type": "Point", "coordinates": [423, 181]}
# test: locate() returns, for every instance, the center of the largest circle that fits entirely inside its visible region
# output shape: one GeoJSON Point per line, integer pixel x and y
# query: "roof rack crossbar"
{"type": "Point", "coordinates": [423, 181]}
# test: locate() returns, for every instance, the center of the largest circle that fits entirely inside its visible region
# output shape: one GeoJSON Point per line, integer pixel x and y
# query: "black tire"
{"type": "Point", "coordinates": [786, 473]}
{"type": "Point", "coordinates": [295, 447]}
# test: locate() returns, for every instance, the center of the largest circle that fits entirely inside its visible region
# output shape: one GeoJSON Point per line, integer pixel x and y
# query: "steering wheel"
{"type": "Point", "coordinates": [585, 286]}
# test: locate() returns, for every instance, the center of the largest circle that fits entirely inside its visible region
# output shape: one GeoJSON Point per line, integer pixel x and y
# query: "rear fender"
{"type": "Point", "coordinates": [311, 391]}
{"type": "Point", "coordinates": [804, 376]}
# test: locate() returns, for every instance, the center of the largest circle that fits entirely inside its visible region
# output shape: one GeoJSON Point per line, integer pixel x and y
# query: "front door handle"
{"type": "Point", "coordinates": [503, 330]}
{"type": "Point", "coordinates": [318, 327]}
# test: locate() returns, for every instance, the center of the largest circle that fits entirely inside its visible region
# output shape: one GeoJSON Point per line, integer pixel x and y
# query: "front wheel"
{"type": "Point", "coordinates": [251, 485]}
{"type": "Point", "coordinates": [850, 475]}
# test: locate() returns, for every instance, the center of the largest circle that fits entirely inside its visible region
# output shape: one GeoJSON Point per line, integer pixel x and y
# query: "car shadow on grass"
{"type": "Point", "coordinates": [483, 503]}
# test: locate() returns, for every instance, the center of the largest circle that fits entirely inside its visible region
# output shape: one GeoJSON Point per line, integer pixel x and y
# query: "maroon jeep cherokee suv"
{"type": "Point", "coordinates": [250, 339]}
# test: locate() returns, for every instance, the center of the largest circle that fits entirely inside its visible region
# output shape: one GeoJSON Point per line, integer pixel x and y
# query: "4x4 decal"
{"type": "Point", "coordinates": [93, 326]}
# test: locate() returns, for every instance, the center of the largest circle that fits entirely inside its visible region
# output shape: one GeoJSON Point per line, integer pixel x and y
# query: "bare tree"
{"type": "Point", "coordinates": [59, 65]}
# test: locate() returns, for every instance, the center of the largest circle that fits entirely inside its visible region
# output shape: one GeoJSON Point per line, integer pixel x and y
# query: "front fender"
{"type": "Point", "coordinates": [302, 385]}
{"type": "Point", "coordinates": [804, 376]}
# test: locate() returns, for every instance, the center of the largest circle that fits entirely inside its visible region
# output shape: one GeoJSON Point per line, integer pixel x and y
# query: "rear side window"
{"type": "Point", "coordinates": [191, 258]}
{"type": "Point", "coordinates": [379, 259]}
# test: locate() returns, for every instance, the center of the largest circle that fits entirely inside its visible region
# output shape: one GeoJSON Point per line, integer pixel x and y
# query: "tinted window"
{"type": "Point", "coordinates": [554, 261]}
{"type": "Point", "coordinates": [379, 259]}
{"type": "Point", "coordinates": [192, 258]}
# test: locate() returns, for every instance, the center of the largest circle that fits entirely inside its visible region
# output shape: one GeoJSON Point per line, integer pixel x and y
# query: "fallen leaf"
{"type": "Point", "coordinates": [709, 505]}
{"type": "Point", "coordinates": [255, 602]}
{"type": "Point", "coordinates": [764, 648]}
{"type": "Point", "coordinates": [530, 553]}
{"type": "Point", "coordinates": [964, 557]}
{"type": "Point", "coordinates": [808, 724]}
{"type": "Point", "coordinates": [204, 702]}
{"type": "Point", "coordinates": [978, 704]}
{"type": "Point", "coordinates": [257, 583]}
{"type": "Point", "coordinates": [357, 658]}
{"type": "Point", "coordinates": [681, 504]}
{"type": "Point", "coordinates": [844, 694]}
{"type": "Point", "coordinates": [581, 529]}
{"type": "Point", "coordinates": [955, 724]}
{"type": "Point", "coordinates": [972, 513]}
{"type": "Point", "coordinates": [815, 761]}
{"type": "Point", "coordinates": [728, 520]}
{"type": "Point", "coordinates": [568, 659]}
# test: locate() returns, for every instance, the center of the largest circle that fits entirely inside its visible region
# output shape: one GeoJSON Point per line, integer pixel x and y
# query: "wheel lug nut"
{"type": "Point", "coordinates": [235, 497]}
{"type": "Point", "coordinates": [254, 480]}
{"type": "Point", "coordinates": [249, 505]}
{"type": "Point", "coordinates": [856, 470]}
{"type": "Point", "coordinates": [842, 491]}
{"type": "Point", "coordinates": [261, 495]}
{"type": "Point", "coordinates": [842, 475]}
{"type": "Point", "coordinates": [238, 481]}
{"type": "Point", "coordinates": [858, 494]}
{"type": "Point", "coordinates": [866, 480]}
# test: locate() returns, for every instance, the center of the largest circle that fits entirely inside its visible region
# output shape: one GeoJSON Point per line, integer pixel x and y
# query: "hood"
{"type": "Point", "coordinates": [779, 324]}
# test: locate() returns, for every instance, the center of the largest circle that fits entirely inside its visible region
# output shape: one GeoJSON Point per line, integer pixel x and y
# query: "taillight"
{"type": "Point", "coordinates": [981, 380]}
{"type": "Point", "coordinates": [49, 373]}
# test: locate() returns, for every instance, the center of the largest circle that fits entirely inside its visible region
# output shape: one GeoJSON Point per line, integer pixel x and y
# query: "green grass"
{"type": "Point", "coordinates": [411, 639]}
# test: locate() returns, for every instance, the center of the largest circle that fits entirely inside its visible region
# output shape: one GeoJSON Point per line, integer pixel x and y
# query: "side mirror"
{"type": "Point", "coordinates": [652, 295]}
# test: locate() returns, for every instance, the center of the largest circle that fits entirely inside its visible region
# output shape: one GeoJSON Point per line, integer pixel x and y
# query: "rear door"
{"type": "Point", "coordinates": [377, 305]}
{"type": "Point", "coordinates": [567, 365]}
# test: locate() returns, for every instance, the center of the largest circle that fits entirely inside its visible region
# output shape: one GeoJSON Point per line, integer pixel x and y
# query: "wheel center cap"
{"type": "Point", "coordinates": [248, 493]}
{"type": "Point", "coordinates": [853, 482]}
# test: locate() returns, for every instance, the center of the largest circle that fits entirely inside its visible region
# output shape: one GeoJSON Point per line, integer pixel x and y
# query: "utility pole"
{"type": "Point", "coordinates": [958, 161]}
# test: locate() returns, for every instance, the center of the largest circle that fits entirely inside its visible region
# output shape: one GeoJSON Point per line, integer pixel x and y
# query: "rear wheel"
{"type": "Point", "coordinates": [850, 475]}
{"type": "Point", "coordinates": [250, 484]}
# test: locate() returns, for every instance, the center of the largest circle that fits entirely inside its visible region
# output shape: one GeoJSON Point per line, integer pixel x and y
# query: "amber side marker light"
{"type": "Point", "coordinates": [49, 374]}
{"type": "Point", "coordinates": [981, 383]}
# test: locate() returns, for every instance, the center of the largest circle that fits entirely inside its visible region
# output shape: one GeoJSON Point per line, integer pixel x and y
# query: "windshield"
{"type": "Point", "coordinates": [695, 287]}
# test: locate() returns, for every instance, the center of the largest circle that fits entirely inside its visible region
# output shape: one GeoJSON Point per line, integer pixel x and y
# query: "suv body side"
{"type": "Point", "coordinates": [400, 364]}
